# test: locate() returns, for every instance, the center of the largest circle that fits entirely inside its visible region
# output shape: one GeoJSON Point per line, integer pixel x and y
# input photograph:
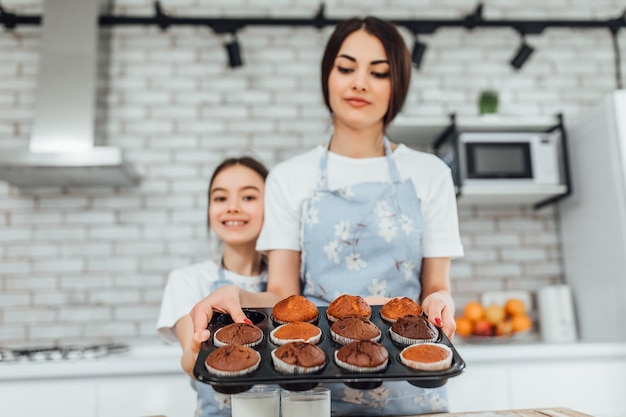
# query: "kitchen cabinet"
{"type": "Point", "coordinates": [99, 397]}
{"type": "Point", "coordinates": [596, 387]}
{"type": "Point", "coordinates": [142, 396]}
{"type": "Point", "coordinates": [51, 398]}
{"type": "Point", "coordinates": [480, 387]}
{"type": "Point", "coordinates": [146, 380]}
{"type": "Point", "coordinates": [514, 377]}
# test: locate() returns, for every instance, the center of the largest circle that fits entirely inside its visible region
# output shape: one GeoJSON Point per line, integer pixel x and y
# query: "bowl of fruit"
{"type": "Point", "coordinates": [497, 317]}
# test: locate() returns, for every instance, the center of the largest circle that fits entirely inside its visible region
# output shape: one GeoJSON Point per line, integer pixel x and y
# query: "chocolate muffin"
{"type": "Point", "coordinates": [409, 330]}
{"type": "Point", "coordinates": [348, 306]}
{"type": "Point", "coordinates": [295, 308]}
{"type": "Point", "coordinates": [427, 357]}
{"type": "Point", "coordinates": [298, 358]}
{"type": "Point", "coordinates": [362, 356]}
{"type": "Point", "coordinates": [232, 360]}
{"type": "Point", "coordinates": [296, 332]}
{"type": "Point", "coordinates": [398, 307]}
{"type": "Point", "coordinates": [351, 329]}
{"type": "Point", "coordinates": [238, 334]}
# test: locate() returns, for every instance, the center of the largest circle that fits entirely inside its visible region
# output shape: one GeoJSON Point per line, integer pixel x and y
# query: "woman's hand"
{"type": "Point", "coordinates": [439, 308]}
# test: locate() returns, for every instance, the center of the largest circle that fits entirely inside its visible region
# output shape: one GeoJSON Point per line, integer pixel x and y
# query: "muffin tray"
{"type": "Point", "coordinates": [266, 374]}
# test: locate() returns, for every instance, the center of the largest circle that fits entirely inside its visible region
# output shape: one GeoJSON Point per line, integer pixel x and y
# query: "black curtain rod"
{"type": "Point", "coordinates": [417, 26]}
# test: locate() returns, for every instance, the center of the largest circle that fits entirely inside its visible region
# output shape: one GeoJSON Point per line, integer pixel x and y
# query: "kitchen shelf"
{"type": "Point", "coordinates": [419, 130]}
{"type": "Point", "coordinates": [507, 195]}
{"type": "Point", "coordinates": [433, 133]}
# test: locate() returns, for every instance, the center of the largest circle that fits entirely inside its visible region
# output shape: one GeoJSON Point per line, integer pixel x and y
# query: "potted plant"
{"type": "Point", "coordinates": [488, 102]}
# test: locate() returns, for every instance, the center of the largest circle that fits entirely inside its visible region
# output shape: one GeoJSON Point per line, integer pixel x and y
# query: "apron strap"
{"type": "Point", "coordinates": [391, 163]}
{"type": "Point", "coordinates": [221, 275]}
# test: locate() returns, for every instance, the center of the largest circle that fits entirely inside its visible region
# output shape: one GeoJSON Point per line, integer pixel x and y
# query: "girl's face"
{"type": "Point", "coordinates": [359, 87]}
{"type": "Point", "coordinates": [236, 205]}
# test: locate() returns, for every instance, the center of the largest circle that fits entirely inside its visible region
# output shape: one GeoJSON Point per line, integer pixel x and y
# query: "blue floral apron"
{"type": "Point", "coordinates": [365, 240]}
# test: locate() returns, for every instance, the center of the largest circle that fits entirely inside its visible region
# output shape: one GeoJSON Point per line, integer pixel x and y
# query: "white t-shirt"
{"type": "Point", "coordinates": [292, 181]}
{"type": "Point", "coordinates": [190, 284]}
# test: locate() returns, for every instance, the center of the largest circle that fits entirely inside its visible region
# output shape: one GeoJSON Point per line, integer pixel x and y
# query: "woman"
{"type": "Point", "coordinates": [360, 214]}
{"type": "Point", "coordinates": [235, 214]}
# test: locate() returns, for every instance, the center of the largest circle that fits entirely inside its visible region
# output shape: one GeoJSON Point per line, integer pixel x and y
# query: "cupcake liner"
{"type": "Point", "coordinates": [387, 319]}
{"type": "Point", "coordinates": [281, 322]}
{"type": "Point", "coordinates": [342, 340]}
{"type": "Point", "coordinates": [390, 320]}
{"type": "Point", "coordinates": [287, 368]}
{"type": "Point", "coordinates": [407, 341]}
{"type": "Point", "coordinates": [334, 319]}
{"type": "Point", "coordinates": [220, 372]}
{"type": "Point", "coordinates": [361, 369]}
{"type": "Point", "coordinates": [428, 366]}
{"type": "Point", "coordinates": [313, 339]}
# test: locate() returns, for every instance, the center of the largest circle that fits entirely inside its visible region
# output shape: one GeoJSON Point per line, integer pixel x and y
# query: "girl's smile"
{"type": "Point", "coordinates": [236, 205]}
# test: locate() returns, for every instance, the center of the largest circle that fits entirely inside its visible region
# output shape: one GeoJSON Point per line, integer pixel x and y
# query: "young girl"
{"type": "Point", "coordinates": [235, 214]}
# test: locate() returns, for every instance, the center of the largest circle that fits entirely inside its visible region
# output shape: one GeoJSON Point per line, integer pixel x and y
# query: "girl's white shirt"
{"type": "Point", "coordinates": [188, 285]}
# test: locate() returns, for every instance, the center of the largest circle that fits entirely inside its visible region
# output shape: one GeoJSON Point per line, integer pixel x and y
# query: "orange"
{"type": "Point", "coordinates": [464, 326]}
{"type": "Point", "coordinates": [474, 311]}
{"type": "Point", "coordinates": [494, 313]}
{"type": "Point", "coordinates": [521, 322]}
{"type": "Point", "coordinates": [514, 306]}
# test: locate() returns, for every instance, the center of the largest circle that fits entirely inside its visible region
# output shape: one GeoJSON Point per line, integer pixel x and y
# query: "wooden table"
{"type": "Point", "coordinates": [539, 412]}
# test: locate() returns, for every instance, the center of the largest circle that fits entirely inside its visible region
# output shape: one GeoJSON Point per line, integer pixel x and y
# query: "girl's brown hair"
{"type": "Point", "coordinates": [397, 55]}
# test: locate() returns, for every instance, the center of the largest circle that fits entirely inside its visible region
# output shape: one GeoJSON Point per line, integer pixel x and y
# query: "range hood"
{"type": "Point", "coordinates": [61, 150]}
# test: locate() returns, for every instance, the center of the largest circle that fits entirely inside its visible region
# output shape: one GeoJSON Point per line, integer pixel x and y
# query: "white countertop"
{"type": "Point", "coordinates": [160, 359]}
{"type": "Point", "coordinates": [539, 351]}
{"type": "Point", "coordinates": [150, 359]}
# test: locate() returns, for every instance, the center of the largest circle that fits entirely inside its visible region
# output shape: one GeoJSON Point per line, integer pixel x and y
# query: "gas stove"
{"type": "Point", "coordinates": [60, 353]}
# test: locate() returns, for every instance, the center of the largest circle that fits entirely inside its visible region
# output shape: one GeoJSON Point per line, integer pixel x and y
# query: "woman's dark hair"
{"type": "Point", "coordinates": [397, 54]}
{"type": "Point", "coordinates": [246, 161]}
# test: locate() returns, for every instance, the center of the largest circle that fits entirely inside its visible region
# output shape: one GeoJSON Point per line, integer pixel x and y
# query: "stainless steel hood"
{"type": "Point", "coordinates": [61, 150]}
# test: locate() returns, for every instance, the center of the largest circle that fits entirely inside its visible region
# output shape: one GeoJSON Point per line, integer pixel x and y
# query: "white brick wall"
{"type": "Point", "coordinates": [84, 265]}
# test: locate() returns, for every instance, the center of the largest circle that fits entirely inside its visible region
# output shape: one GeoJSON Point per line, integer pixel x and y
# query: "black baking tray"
{"type": "Point", "coordinates": [265, 374]}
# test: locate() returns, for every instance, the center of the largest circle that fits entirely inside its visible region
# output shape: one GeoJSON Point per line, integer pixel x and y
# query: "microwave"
{"type": "Point", "coordinates": [509, 158]}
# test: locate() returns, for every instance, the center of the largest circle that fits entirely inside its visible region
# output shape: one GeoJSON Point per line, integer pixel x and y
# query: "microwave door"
{"type": "Point", "coordinates": [489, 160]}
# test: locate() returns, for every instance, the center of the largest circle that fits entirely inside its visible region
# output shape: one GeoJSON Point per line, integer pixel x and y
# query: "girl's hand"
{"type": "Point", "coordinates": [224, 299]}
{"type": "Point", "coordinates": [439, 308]}
{"type": "Point", "coordinates": [190, 354]}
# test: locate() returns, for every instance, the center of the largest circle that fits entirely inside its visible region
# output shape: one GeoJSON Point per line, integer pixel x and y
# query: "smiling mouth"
{"type": "Point", "coordinates": [234, 223]}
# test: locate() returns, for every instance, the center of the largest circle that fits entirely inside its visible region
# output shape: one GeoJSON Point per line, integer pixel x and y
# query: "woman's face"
{"type": "Point", "coordinates": [359, 87]}
{"type": "Point", "coordinates": [236, 205]}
